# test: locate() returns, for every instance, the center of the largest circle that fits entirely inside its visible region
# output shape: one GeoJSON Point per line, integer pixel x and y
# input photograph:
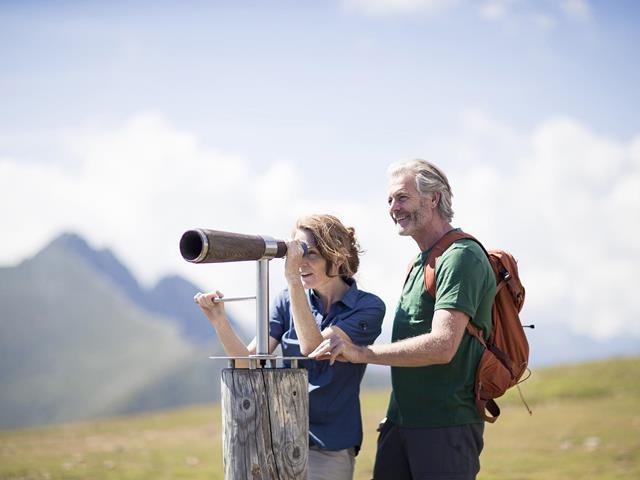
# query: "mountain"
{"type": "Point", "coordinates": [77, 341]}
{"type": "Point", "coordinates": [171, 297]}
{"type": "Point", "coordinates": [555, 343]}
{"type": "Point", "coordinates": [81, 338]}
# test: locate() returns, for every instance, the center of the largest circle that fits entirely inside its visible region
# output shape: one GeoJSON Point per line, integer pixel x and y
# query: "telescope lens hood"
{"type": "Point", "coordinates": [194, 246]}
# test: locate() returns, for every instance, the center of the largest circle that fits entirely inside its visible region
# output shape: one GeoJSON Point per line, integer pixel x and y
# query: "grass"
{"type": "Point", "coordinates": [585, 425]}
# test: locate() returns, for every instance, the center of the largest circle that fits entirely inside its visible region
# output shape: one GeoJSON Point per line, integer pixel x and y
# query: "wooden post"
{"type": "Point", "coordinates": [265, 423]}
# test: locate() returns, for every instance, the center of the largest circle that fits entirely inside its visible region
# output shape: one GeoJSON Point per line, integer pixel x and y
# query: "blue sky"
{"type": "Point", "coordinates": [125, 117]}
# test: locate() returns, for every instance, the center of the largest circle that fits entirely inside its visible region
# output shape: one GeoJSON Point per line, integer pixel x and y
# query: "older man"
{"type": "Point", "coordinates": [433, 429]}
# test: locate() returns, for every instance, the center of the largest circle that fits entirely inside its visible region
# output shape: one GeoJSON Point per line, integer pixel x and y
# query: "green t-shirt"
{"type": "Point", "coordinates": [442, 395]}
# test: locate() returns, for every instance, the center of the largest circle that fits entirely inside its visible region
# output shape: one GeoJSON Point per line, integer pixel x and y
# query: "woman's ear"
{"type": "Point", "coordinates": [334, 270]}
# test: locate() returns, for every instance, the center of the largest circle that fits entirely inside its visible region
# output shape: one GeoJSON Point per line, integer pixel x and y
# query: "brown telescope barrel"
{"type": "Point", "coordinates": [213, 246]}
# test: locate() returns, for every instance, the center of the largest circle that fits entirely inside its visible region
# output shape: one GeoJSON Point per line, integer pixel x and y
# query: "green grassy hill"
{"type": "Point", "coordinates": [585, 425]}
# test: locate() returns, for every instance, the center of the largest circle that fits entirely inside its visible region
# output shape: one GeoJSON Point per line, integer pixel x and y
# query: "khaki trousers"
{"type": "Point", "coordinates": [331, 465]}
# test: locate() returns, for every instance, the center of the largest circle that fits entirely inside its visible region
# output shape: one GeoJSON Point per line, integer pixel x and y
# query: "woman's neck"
{"type": "Point", "coordinates": [331, 292]}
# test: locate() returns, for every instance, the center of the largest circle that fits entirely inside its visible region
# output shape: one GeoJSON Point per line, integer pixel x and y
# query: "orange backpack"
{"type": "Point", "coordinates": [506, 352]}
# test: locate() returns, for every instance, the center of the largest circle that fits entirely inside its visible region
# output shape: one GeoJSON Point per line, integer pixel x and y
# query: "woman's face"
{"type": "Point", "coordinates": [313, 266]}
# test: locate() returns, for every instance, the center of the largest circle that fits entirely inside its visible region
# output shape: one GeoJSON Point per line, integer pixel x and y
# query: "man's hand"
{"type": "Point", "coordinates": [337, 348]}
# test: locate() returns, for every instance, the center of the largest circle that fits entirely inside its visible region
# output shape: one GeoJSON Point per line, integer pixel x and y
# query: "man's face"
{"type": "Point", "coordinates": [409, 210]}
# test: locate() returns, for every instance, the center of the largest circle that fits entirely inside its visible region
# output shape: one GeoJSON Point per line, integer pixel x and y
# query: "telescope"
{"type": "Point", "coordinates": [213, 246]}
{"type": "Point", "coordinates": [249, 395]}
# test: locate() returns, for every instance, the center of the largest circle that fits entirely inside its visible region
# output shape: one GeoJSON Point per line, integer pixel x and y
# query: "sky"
{"type": "Point", "coordinates": [132, 122]}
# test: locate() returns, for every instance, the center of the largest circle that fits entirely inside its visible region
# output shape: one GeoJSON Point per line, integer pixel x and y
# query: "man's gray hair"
{"type": "Point", "coordinates": [429, 178]}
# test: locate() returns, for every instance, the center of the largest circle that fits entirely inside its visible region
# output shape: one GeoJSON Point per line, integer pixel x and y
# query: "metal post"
{"type": "Point", "coordinates": [262, 307]}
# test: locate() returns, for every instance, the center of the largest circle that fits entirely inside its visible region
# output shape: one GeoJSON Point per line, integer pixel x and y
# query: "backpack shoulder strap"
{"type": "Point", "coordinates": [436, 251]}
{"type": "Point", "coordinates": [430, 270]}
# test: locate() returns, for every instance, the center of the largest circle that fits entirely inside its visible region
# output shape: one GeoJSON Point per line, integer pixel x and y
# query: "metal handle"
{"type": "Point", "coordinates": [233, 299]}
{"type": "Point", "coordinates": [229, 299]}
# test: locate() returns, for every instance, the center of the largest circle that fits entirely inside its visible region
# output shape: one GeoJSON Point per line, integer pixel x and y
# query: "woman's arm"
{"type": "Point", "coordinates": [231, 342]}
{"type": "Point", "coordinates": [305, 324]}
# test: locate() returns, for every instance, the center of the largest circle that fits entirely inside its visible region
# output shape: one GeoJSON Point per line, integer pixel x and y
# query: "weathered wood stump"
{"type": "Point", "coordinates": [265, 423]}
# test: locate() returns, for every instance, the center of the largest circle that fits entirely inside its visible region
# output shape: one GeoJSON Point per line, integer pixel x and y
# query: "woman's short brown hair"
{"type": "Point", "coordinates": [336, 243]}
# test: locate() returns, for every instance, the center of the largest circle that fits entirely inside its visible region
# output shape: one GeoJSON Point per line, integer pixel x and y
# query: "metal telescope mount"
{"type": "Point", "coordinates": [211, 246]}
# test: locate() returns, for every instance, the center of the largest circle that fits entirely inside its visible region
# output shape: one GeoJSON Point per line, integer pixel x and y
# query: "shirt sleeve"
{"type": "Point", "coordinates": [461, 280]}
{"type": "Point", "coordinates": [363, 324]}
{"type": "Point", "coordinates": [278, 316]}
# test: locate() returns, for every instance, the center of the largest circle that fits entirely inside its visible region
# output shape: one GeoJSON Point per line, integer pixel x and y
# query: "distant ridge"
{"type": "Point", "coordinates": [81, 338]}
{"type": "Point", "coordinates": [78, 339]}
{"type": "Point", "coordinates": [102, 261]}
{"type": "Point", "coordinates": [171, 297]}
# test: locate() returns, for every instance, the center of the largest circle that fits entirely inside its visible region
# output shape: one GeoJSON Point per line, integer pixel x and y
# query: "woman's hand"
{"type": "Point", "coordinates": [213, 310]}
{"type": "Point", "coordinates": [232, 344]}
{"type": "Point", "coordinates": [295, 252]}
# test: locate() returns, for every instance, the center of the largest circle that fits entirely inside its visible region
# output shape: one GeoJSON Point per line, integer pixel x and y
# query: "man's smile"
{"type": "Point", "coordinates": [402, 217]}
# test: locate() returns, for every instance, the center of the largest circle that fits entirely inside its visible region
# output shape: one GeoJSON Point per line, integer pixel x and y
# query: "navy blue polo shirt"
{"type": "Point", "coordinates": [335, 422]}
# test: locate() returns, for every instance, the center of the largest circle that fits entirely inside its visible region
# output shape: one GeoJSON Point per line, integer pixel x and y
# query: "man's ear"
{"type": "Point", "coordinates": [435, 199]}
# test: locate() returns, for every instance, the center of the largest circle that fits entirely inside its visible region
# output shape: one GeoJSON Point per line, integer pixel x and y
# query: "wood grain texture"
{"type": "Point", "coordinates": [265, 423]}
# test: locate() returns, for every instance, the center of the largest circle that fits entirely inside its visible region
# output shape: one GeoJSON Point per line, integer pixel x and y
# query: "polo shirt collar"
{"type": "Point", "coordinates": [350, 297]}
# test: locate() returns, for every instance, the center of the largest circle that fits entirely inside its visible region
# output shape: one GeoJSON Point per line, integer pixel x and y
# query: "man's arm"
{"type": "Point", "coordinates": [437, 347]}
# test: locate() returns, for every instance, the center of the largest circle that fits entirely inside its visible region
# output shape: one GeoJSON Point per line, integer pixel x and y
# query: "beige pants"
{"type": "Point", "coordinates": [331, 465]}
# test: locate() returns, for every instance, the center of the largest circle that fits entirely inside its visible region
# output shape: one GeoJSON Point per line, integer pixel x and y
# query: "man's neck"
{"type": "Point", "coordinates": [428, 239]}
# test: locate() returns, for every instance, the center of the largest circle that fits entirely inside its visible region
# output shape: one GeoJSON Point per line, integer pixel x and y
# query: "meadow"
{"type": "Point", "coordinates": [585, 425]}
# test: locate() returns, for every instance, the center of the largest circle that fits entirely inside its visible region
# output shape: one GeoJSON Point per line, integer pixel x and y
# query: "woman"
{"type": "Point", "coordinates": [321, 300]}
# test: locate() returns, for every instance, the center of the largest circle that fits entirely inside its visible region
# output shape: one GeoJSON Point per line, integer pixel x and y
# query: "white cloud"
{"type": "Point", "coordinates": [543, 21]}
{"type": "Point", "coordinates": [577, 9]}
{"type": "Point", "coordinates": [566, 202]}
{"type": "Point", "coordinates": [520, 13]}
{"type": "Point", "coordinates": [564, 199]}
{"type": "Point", "coordinates": [29, 195]}
{"type": "Point", "coordinates": [397, 7]}
{"type": "Point", "coordinates": [496, 9]}
{"type": "Point", "coordinates": [515, 14]}
{"type": "Point", "coordinates": [137, 187]}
